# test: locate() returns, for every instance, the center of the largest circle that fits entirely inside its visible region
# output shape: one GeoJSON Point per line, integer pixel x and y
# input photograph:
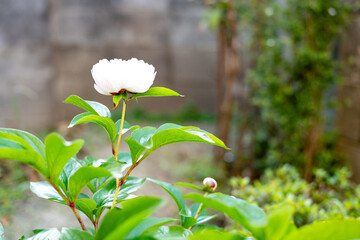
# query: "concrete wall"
{"type": "Point", "coordinates": [47, 48]}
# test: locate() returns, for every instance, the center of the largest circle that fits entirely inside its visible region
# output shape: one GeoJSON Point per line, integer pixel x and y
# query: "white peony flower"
{"type": "Point", "coordinates": [115, 76]}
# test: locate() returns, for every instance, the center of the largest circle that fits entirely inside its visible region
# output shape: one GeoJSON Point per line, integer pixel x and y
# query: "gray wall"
{"type": "Point", "coordinates": [47, 48]}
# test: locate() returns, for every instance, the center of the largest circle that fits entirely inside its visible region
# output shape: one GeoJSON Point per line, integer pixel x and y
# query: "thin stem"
{"type": "Point", "coordinates": [116, 153]}
{"type": "Point", "coordinates": [72, 206]}
{"type": "Point", "coordinates": [120, 131]}
{"type": "Point", "coordinates": [198, 210]}
{"type": "Point", "coordinates": [130, 170]}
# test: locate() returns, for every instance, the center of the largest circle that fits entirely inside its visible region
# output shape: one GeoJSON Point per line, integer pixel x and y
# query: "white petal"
{"type": "Point", "coordinates": [99, 90]}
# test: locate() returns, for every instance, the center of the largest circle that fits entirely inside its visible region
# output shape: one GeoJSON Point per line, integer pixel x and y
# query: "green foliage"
{"type": "Point", "coordinates": [109, 183]}
{"type": "Point", "coordinates": [327, 197]}
{"type": "Point", "coordinates": [294, 70]}
{"type": "Point", "coordinates": [247, 215]}
{"type": "Point", "coordinates": [144, 141]}
{"type": "Point", "coordinates": [336, 229]}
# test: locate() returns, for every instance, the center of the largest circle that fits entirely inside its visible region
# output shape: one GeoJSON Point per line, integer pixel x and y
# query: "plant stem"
{"type": "Point", "coordinates": [72, 206]}
{"type": "Point", "coordinates": [116, 153]}
{"type": "Point", "coordinates": [120, 131]}
{"type": "Point", "coordinates": [198, 210]}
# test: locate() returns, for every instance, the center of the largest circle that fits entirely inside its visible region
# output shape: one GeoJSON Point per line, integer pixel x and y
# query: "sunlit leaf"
{"type": "Point", "coordinates": [248, 215]}
{"type": "Point", "coordinates": [58, 152]}
{"type": "Point", "coordinates": [90, 106]}
{"type": "Point", "coordinates": [156, 92]}
{"type": "Point", "coordinates": [75, 234]}
{"type": "Point", "coordinates": [117, 223]}
{"type": "Point", "coordinates": [82, 177]}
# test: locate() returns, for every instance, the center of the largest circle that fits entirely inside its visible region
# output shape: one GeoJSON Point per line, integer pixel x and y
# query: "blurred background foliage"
{"type": "Point", "coordinates": [291, 74]}
{"type": "Point", "coordinates": [327, 196]}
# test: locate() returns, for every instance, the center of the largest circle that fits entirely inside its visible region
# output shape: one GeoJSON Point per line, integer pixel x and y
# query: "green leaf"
{"type": "Point", "coordinates": [58, 152]}
{"type": "Point", "coordinates": [7, 143]}
{"type": "Point", "coordinates": [126, 127]}
{"type": "Point", "coordinates": [117, 223]}
{"type": "Point", "coordinates": [156, 92]}
{"type": "Point", "coordinates": [70, 167]}
{"type": "Point", "coordinates": [28, 157]}
{"type": "Point", "coordinates": [189, 185]}
{"type": "Point", "coordinates": [186, 219]}
{"type": "Point", "coordinates": [46, 191]}
{"type": "Point", "coordinates": [46, 234]}
{"type": "Point", "coordinates": [248, 215]}
{"type": "Point", "coordinates": [149, 224]}
{"type": "Point", "coordinates": [87, 206]}
{"type": "Point", "coordinates": [116, 100]}
{"type": "Point", "coordinates": [35, 143]}
{"type": "Point", "coordinates": [105, 122]}
{"type": "Point", "coordinates": [212, 234]}
{"type": "Point", "coordinates": [82, 177]}
{"type": "Point", "coordinates": [23, 147]}
{"type": "Point", "coordinates": [150, 139]}
{"type": "Point", "coordinates": [75, 234]}
{"type": "Point", "coordinates": [172, 232]}
{"type": "Point", "coordinates": [280, 222]}
{"type": "Point", "coordinates": [137, 141]}
{"type": "Point", "coordinates": [105, 195]}
{"type": "Point", "coordinates": [90, 106]}
{"type": "Point", "coordinates": [348, 229]}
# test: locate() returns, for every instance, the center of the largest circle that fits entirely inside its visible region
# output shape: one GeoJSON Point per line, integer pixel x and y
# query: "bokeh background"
{"type": "Point", "coordinates": [245, 68]}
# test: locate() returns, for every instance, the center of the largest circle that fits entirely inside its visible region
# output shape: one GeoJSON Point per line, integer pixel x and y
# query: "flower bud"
{"type": "Point", "coordinates": [209, 184]}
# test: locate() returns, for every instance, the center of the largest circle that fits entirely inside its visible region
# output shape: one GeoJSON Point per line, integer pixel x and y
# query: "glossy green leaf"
{"type": "Point", "coordinates": [46, 234]}
{"type": "Point", "coordinates": [156, 92]}
{"type": "Point", "coordinates": [105, 122]}
{"type": "Point", "coordinates": [117, 223]}
{"type": "Point", "coordinates": [24, 147]}
{"type": "Point", "coordinates": [75, 234]}
{"type": "Point", "coordinates": [126, 128]}
{"type": "Point", "coordinates": [87, 206]}
{"type": "Point", "coordinates": [172, 233]}
{"type": "Point", "coordinates": [90, 106]}
{"type": "Point", "coordinates": [348, 229]}
{"type": "Point", "coordinates": [69, 169]}
{"type": "Point", "coordinates": [35, 143]}
{"type": "Point", "coordinates": [28, 157]}
{"type": "Point", "coordinates": [82, 177]}
{"type": "Point", "coordinates": [149, 139]}
{"type": "Point", "coordinates": [46, 191]}
{"type": "Point", "coordinates": [248, 215]}
{"type": "Point", "coordinates": [189, 185]}
{"type": "Point", "coordinates": [186, 219]}
{"type": "Point", "coordinates": [137, 141]}
{"type": "Point", "coordinates": [7, 143]}
{"type": "Point", "coordinates": [203, 215]}
{"type": "Point", "coordinates": [149, 224]}
{"type": "Point", "coordinates": [57, 153]}
{"type": "Point", "coordinates": [105, 195]}
{"type": "Point", "coordinates": [212, 234]}
{"type": "Point", "coordinates": [280, 222]}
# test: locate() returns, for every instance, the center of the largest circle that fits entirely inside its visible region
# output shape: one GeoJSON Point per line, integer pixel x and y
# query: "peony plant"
{"type": "Point", "coordinates": [109, 202]}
